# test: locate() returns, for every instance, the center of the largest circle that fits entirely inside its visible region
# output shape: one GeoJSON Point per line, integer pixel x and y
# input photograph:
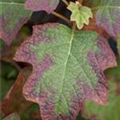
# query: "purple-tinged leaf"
{"type": "Point", "coordinates": [37, 5]}
{"type": "Point", "coordinates": [12, 17]}
{"type": "Point", "coordinates": [108, 16]}
{"type": "Point", "coordinates": [67, 69]}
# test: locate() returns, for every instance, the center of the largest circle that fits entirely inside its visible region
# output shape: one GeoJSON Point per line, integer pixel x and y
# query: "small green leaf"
{"type": "Point", "coordinates": [80, 14]}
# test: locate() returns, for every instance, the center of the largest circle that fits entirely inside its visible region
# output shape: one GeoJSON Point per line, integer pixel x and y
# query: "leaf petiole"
{"type": "Point", "coordinates": [66, 2]}
{"type": "Point", "coordinates": [62, 17]}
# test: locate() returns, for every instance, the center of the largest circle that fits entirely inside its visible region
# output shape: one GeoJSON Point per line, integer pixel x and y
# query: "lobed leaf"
{"type": "Point", "coordinates": [12, 17]}
{"type": "Point", "coordinates": [67, 69]}
{"type": "Point", "coordinates": [12, 116]}
{"type": "Point", "coordinates": [37, 5]}
{"type": "Point", "coordinates": [80, 14]}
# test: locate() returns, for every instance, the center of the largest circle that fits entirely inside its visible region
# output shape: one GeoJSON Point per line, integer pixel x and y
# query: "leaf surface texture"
{"type": "Point", "coordinates": [67, 69]}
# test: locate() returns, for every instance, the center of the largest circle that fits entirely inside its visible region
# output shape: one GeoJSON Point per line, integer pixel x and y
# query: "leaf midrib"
{"type": "Point", "coordinates": [64, 71]}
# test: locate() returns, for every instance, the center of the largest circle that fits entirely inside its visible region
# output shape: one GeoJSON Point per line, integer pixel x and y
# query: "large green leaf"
{"type": "Point", "coordinates": [80, 14]}
{"type": "Point", "coordinates": [12, 17]}
{"type": "Point", "coordinates": [108, 14]}
{"type": "Point", "coordinates": [67, 69]}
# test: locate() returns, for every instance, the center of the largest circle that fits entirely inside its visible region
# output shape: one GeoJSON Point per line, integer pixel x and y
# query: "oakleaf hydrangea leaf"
{"type": "Point", "coordinates": [12, 116]}
{"type": "Point", "coordinates": [109, 112]}
{"type": "Point", "coordinates": [108, 16]}
{"type": "Point", "coordinates": [67, 69]}
{"type": "Point", "coordinates": [80, 14]}
{"type": "Point", "coordinates": [37, 5]}
{"type": "Point", "coordinates": [12, 17]}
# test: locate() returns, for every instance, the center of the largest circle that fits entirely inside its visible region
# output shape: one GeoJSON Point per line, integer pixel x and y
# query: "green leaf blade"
{"type": "Point", "coordinates": [66, 70]}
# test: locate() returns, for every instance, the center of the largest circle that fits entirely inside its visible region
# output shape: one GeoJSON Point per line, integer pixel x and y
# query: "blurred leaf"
{"type": "Point", "coordinates": [79, 117]}
{"type": "Point", "coordinates": [107, 14]}
{"type": "Point", "coordinates": [32, 113]}
{"type": "Point", "coordinates": [13, 16]}
{"type": "Point", "coordinates": [14, 100]}
{"type": "Point", "coordinates": [7, 53]}
{"type": "Point", "coordinates": [114, 73]}
{"type": "Point", "coordinates": [111, 111]}
{"type": "Point", "coordinates": [8, 74]}
{"type": "Point", "coordinates": [2, 44]}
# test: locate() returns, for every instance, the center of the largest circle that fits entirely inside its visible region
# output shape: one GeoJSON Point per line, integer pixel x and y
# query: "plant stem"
{"type": "Point", "coordinates": [74, 26]}
{"type": "Point", "coordinates": [66, 2]}
{"type": "Point", "coordinates": [62, 17]}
